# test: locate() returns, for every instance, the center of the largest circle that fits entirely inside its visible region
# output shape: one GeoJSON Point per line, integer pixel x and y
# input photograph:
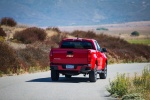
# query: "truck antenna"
{"type": "Point", "coordinates": [77, 37]}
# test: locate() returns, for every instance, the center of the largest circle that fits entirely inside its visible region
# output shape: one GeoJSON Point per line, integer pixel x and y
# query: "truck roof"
{"type": "Point", "coordinates": [76, 39]}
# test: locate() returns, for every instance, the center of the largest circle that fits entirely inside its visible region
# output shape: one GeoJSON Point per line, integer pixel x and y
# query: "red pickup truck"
{"type": "Point", "coordinates": [78, 56]}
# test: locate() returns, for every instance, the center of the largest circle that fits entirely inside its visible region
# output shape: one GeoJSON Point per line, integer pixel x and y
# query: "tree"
{"type": "Point", "coordinates": [135, 33]}
{"type": "Point", "coordinates": [8, 21]}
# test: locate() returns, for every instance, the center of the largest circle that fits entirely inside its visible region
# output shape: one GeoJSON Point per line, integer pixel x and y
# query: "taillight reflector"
{"type": "Point", "coordinates": [89, 57]}
{"type": "Point", "coordinates": [51, 56]}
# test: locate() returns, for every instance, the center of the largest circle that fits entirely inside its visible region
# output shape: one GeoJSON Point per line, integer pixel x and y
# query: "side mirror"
{"type": "Point", "coordinates": [104, 50]}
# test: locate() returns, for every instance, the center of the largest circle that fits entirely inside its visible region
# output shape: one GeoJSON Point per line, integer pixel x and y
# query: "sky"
{"type": "Point", "coordinates": [75, 12]}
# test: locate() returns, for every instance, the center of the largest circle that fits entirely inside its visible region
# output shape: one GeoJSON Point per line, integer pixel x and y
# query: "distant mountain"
{"type": "Point", "coordinates": [75, 12]}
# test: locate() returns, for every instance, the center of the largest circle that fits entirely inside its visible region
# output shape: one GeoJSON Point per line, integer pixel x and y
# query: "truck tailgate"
{"type": "Point", "coordinates": [70, 56]}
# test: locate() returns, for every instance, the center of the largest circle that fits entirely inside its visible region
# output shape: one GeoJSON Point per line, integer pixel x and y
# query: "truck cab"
{"type": "Point", "coordinates": [78, 56]}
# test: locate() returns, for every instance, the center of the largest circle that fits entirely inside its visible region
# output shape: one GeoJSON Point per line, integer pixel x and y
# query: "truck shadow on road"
{"type": "Point", "coordinates": [62, 80]}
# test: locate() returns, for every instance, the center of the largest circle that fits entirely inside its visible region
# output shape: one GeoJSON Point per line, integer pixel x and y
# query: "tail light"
{"type": "Point", "coordinates": [51, 56]}
{"type": "Point", "coordinates": [89, 56]}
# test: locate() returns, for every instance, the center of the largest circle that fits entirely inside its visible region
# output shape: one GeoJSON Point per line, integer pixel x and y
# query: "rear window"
{"type": "Point", "coordinates": [77, 44]}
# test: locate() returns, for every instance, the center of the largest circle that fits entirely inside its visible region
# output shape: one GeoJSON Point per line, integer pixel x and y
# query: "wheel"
{"type": "Point", "coordinates": [54, 75]}
{"type": "Point", "coordinates": [93, 76]}
{"type": "Point", "coordinates": [68, 76]}
{"type": "Point", "coordinates": [103, 75]}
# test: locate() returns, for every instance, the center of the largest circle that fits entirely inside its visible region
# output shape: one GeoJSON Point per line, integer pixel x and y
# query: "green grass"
{"type": "Point", "coordinates": [131, 88]}
{"type": "Point", "coordinates": [140, 41]}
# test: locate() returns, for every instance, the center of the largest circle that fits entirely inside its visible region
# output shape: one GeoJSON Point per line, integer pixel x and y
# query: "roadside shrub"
{"type": "Point", "coordinates": [8, 22]}
{"type": "Point", "coordinates": [135, 33]}
{"type": "Point", "coordinates": [119, 86]}
{"type": "Point", "coordinates": [119, 50]}
{"type": "Point", "coordinates": [33, 57]}
{"type": "Point", "coordinates": [143, 81]}
{"type": "Point", "coordinates": [2, 39]}
{"type": "Point", "coordinates": [131, 88]}
{"type": "Point", "coordinates": [30, 35]}
{"type": "Point", "coordinates": [49, 43]}
{"type": "Point", "coordinates": [8, 59]}
{"type": "Point", "coordinates": [54, 29]}
{"type": "Point", "coordinates": [134, 96]}
{"type": "Point", "coordinates": [58, 37]}
{"type": "Point", "coordinates": [84, 34]}
{"type": "Point", "coordinates": [1, 73]}
{"type": "Point", "coordinates": [2, 32]}
{"type": "Point", "coordinates": [19, 61]}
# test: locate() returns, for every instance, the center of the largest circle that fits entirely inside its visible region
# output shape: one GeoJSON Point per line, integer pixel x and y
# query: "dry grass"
{"type": "Point", "coordinates": [119, 50]}
{"type": "Point", "coordinates": [131, 88]}
{"type": "Point", "coordinates": [29, 59]}
{"type": "Point", "coordinates": [10, 31]}
{"type": "Point", "coordinates": [2, 32]}
{"type": "Point", "coordinates": [50, 33]}
{"type": "Point", "coordinates": [32, 57]}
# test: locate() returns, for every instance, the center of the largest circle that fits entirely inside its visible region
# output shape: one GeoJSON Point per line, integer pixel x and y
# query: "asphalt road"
{"type": "Point", "coordinates": [39, 86]}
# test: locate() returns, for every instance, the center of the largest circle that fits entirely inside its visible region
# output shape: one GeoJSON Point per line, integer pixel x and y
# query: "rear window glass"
{"type": "Point", "coordinates": [77, 44]}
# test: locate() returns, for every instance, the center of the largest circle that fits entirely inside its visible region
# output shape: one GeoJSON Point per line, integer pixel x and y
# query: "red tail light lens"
{"type": "Point", "coordinates": [89, 57]}
{"type": "Point", "coordinates": [51, 56]}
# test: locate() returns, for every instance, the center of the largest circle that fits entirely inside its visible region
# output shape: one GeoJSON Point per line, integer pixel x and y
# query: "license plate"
{"type": "Point", "coordinates": [69, 66]}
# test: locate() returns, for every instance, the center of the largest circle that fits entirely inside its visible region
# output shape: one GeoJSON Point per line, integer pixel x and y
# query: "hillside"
{"type": "Point", "coordinates": [17, 57]}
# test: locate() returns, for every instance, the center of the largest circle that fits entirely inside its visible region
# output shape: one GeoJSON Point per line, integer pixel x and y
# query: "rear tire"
{"type": "Point", "coordinates": [68, 76]}
{"type": "Point", "coordinates": [103, 75]}
{"type": "Point", "coordinates": [93, 76]}
{"type": "Point", "coordinates": [54, 75]}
